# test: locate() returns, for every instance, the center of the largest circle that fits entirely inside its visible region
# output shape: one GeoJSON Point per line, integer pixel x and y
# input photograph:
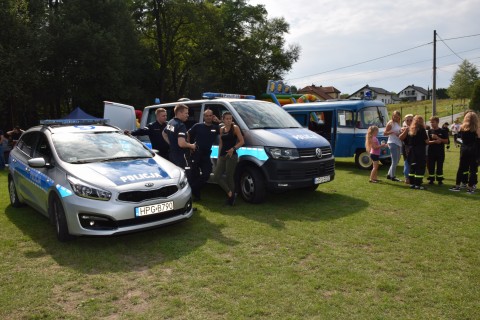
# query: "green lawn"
{"type": "Point", "coordinates": [444, 107]}
{"type": "Point", "coordinates": [350, 250]}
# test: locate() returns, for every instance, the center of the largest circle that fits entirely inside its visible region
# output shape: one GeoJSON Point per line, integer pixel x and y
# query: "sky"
{"type": "Point", "coordinates": [334, 35]}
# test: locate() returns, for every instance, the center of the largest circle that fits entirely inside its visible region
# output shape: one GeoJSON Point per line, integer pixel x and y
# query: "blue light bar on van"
{"type": "Point", "coordinates": [213, 95]}
{"type": "Point", "coordinates": [72, 121]}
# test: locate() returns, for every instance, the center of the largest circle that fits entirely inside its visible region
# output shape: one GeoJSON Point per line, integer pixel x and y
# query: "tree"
{"type": "Point", "coordinates": [442, 93]}
{"type": "Point", "coordinates": [463, 81]}
{"type": "Point", "coordinates": [475, 99]}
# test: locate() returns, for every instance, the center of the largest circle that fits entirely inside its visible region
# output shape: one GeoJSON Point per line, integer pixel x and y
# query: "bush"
{"type": "Point", "coordinates": [475, 100]}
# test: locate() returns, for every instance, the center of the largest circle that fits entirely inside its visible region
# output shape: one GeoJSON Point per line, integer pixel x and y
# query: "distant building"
{"type": "Point", "coordinates": [323, 93]}
{"type": "Point", "coordinates": [414, 93]}
{"type": "Point", "coordinates": [375, 93]}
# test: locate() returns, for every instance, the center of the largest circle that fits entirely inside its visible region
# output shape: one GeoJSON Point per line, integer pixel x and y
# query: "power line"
{"type": "Point", "coordinates": [449, 47]}
{"type": "Point", "coordinates": [363, 62]}
{"type": "Point", "coordinates": [473, 35]}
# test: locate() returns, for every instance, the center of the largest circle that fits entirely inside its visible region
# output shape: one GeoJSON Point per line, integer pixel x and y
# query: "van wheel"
{"type": "Point", "coordinates": [252, 185]}
{"type": "Point", "coordinates": [12, 190]}
{"type": "Point", "coordinates": [58, 214]}
{"type": "Point", "coordinates": [363, 160]}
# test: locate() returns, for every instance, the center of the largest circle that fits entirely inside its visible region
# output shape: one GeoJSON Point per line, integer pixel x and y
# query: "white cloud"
{"type": "Point", "coordinates": [335, 34]}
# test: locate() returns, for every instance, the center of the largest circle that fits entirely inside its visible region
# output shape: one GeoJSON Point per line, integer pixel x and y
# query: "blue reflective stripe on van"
{"type": "Point", "coordinates": [258, 153]}
{"type": "Point", "coordinates": [64, 192]}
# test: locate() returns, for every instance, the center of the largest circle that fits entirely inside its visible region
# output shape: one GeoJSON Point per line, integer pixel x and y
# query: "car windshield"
{"type": "Point", "coordinates": [264, 115]}
{"type": "Point", "coordinates": [372, 116]}
{"type": "Point", "coordinates": [81, 147]}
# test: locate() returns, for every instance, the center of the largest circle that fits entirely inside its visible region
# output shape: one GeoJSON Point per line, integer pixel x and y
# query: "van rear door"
{"type": "Point", "coordinates": [120, 115]}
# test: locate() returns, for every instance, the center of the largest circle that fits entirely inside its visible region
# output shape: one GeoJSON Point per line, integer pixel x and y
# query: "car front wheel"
{"type": "Point", "coordinates": [58, 214]}
{"type": "Point", "coordinates": [252, 185]}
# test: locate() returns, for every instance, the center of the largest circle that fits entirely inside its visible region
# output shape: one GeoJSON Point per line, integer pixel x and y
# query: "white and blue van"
{"type": "Point", "coordinates": [278, 155]}
{"type": "Point", "coordinates": [344, 123]}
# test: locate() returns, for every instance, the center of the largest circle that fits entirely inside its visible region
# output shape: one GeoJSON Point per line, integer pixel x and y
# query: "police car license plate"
{"type": "Point", "coordinates": [153, 209]}
{"type": "Point", "coordinates": [319, 180]}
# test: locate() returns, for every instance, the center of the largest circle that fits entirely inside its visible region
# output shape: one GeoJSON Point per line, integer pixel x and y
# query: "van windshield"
{"type": "Point", "coordinates": [372, 116]}
{"type": "Point", "coordinates": [264, 115]}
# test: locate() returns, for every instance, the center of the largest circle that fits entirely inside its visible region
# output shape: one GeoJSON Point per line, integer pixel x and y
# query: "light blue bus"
{"type": "Point", "coordinates": [344, 124]}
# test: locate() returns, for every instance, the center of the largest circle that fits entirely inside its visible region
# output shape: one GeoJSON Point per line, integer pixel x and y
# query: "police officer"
{"type": "Point", "coordinates": [175, 134]}
{"type": "Point", "coordinates": [204, 135]}
{"type": "Point", "coordinates": [437, 139]}
{"type": "Point", "coordinates": [154, 130]}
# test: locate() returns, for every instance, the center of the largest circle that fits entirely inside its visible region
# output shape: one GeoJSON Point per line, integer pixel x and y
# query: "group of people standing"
{"type": "Point", "coordinates": [423, 147]}
{"type": "Point", "coordinates": [8, 141]}
{"type": "Point", "coordinates": [191, 149]}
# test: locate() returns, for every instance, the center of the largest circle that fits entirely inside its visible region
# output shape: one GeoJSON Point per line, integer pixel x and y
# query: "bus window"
{"type": "Point", "coordinates": [345, 118]}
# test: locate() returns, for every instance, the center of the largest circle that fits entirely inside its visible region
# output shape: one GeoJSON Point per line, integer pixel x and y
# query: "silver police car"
{"type": "Point", "coordinates": [89, 178]}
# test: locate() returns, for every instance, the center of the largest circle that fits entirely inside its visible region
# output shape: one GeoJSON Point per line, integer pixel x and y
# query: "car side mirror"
{"type": "Point", "coordinates": [39, 163]}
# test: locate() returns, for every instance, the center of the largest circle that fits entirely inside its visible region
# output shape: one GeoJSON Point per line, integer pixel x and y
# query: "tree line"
{"type": "Point", "coordinates": [56, 55]}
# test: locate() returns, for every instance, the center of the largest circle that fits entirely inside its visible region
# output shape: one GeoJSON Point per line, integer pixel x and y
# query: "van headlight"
{"type": "Point", "coordinates": [182, 181]}
{"type": "Point", "coordinates": [85, 190]}
{"type": "Point", "coordinates": [282, 153]}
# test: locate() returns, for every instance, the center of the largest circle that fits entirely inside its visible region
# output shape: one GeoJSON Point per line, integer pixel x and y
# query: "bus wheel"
{"type": "Point", "coordinates": [363, 160]}
{"type": "Point", "coordinates": [252, 185]}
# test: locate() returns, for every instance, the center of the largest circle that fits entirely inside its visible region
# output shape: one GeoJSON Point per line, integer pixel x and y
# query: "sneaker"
{"type": "Point", "coordinates": [420, 188]}
{"type": "Point", "coordinates": [388, 177]}
{"type": "Point", "coordinates": [396, 179]}
{"type": "Point", "coordinates": [412, 186]}
{"type": "Point", "coordinates": [440, 183]}
{"type": "Point", "coordinates": [455, 188]}
{"type": "Point", "coordinates": [430, 182]}
{"type": "Point", "coordinates": [470, 191]}
{"type": "Point", "coordinates": [463, 185]}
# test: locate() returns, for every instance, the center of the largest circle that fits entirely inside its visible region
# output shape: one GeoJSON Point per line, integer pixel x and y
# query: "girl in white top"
{"type": "Point", "coordinates": [394, 143]}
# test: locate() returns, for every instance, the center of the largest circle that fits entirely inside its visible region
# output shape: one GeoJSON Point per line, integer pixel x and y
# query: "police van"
{"type": "Point", "coordinates": [278, 154]}
{"type": "Point", "coordinates": [344, 123]}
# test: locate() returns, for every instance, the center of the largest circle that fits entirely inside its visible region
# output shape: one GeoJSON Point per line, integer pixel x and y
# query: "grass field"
{"type": "Point", "coordinates": [444, 107]}
{"type": "Point", "coordinates": [350, 250]}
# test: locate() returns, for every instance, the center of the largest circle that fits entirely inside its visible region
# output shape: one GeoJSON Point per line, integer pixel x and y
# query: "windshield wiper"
{"type": "Point", "coordinates": [123, 158]}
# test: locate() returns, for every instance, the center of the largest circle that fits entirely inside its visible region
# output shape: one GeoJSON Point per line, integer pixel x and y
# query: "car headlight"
{"type": "Point", "coordinates": [282, 153]}
{"type": "Point", "coordinates": [85, 190]}
{"type": "Point", "coordinates": [182, 181]}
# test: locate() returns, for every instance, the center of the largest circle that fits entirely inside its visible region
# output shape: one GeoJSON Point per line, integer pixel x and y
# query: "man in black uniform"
{"type": "Point", "coordinates": [204, 135]}
{"type": "Point", "coordinates": [175, 134]}
{"type": "Point", "coordinates": [437, 139]}
{"type": "Point", "coordinates": [154, 131]}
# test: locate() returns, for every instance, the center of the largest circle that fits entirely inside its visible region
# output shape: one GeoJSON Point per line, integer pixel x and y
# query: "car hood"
{"type": "Point", "coordinates": [287, 138]}
{"type": "Point", "coordinates": [121, 173]}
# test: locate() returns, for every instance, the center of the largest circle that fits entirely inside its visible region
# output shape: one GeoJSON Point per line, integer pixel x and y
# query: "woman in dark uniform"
{"type": "Point", "coordinates": [468, 167]}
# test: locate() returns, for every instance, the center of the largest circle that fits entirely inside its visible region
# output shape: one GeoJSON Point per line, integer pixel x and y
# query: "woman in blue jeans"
{"type": "Point", "coordinates": [394, 143]}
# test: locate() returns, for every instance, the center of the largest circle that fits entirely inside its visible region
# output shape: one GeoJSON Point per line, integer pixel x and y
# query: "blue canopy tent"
{"type": "Point", "coordinates": [78, 113]}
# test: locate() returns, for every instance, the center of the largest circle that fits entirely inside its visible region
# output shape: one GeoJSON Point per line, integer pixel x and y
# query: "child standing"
{"type": "Point", "coordinates": [373, 146]}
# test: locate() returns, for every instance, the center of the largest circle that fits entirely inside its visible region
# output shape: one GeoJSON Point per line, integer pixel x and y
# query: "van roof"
{"type": "Point", "coordinates": [346, 104]}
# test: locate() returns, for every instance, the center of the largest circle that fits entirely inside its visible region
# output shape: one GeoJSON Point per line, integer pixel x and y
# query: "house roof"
{"type": "Point", "coordinates": [374, 89]}
{"type": "Point", "coordinates": [419, 89]}
{"type": "Point", "coordinates": [318, 91]}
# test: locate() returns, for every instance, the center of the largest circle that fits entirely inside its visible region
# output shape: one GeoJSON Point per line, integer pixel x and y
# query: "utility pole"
{"type": "Point", "coordinates": [434, 89]}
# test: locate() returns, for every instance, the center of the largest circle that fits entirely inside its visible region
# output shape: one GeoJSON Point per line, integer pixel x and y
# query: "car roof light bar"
{"type": "Point", "coordinates": [72, 122]}
{"type": "Point", "coordinates": [213, 95]}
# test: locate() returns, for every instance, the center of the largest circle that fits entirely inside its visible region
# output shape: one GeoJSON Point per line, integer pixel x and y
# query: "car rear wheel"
{"type": "Point", "coordinates": [58, 214]}
{"type": "Point", "coordinates": [12, 190]}
{"type": "Point", "coordinates": [363, 160]}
